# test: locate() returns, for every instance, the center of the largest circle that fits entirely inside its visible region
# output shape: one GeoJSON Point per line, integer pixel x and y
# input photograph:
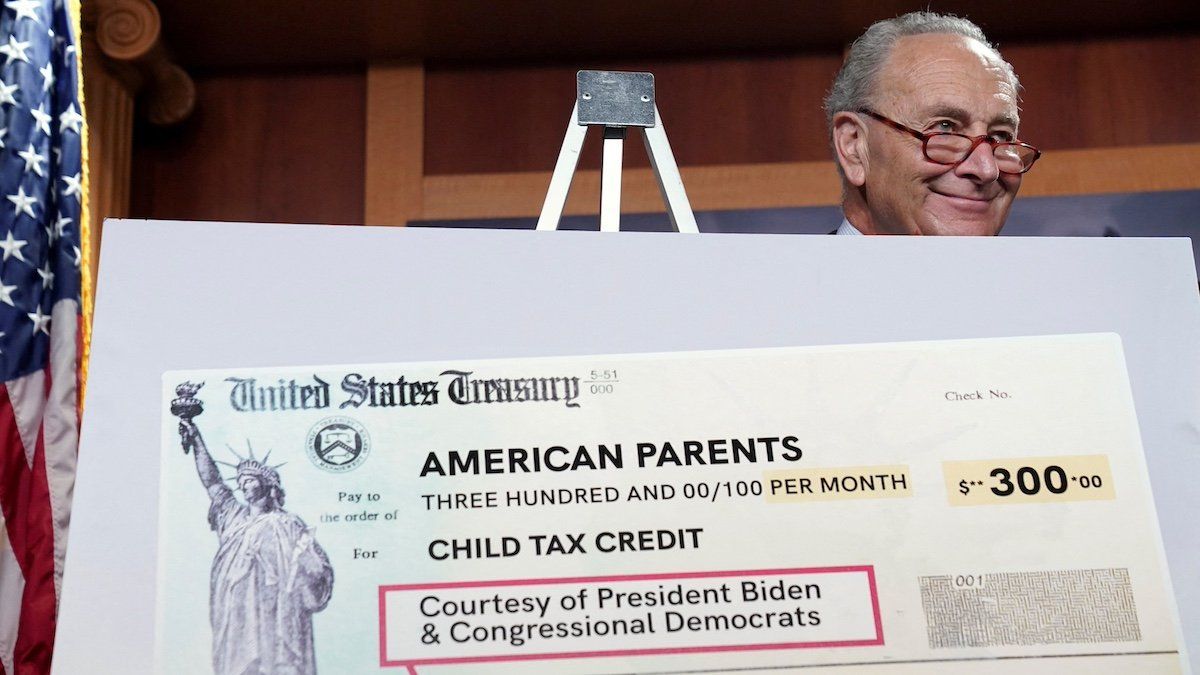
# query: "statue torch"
{"type": "Point", "coordinates": [186, 406]}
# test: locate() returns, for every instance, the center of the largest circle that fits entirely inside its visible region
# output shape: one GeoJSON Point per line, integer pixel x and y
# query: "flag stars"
{"type": "Point", "coordinates": [42, 117]}
{"type": "Point", "coordinates": [24, 8]}
{"type": "Point", "coordinates": [40, 201]}
{"type": "Point", "coordinates": [47, 72]}
{"type": "Point", "coordinates": [72, 186]}
{"type": "Point", "coordinates": [22, 203]}
{"type": "Point", "coordinates": [6, 93]}
{"type": "Point", "coordinates": [41, 322]}
{"type": "Point", "coordinates": [12, 247]}
{"type": "Point", "coordinates": [70, 119]}
{"type": "Point", "coordinates": [33, 161]}
{"type": "Point", "coordinates": [14, 50]}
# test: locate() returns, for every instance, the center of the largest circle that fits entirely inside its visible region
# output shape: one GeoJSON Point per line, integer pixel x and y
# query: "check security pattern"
{"type": "Point", "coordinates": [1030, 608]}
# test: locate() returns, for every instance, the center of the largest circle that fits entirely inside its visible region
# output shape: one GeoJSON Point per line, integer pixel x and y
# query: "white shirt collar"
{"type": "Point", "coordinates": [847, 228]}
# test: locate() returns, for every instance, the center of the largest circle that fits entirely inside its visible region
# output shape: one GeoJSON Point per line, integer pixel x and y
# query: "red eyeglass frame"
{"type": "Point", "coordinates": [975, 142]}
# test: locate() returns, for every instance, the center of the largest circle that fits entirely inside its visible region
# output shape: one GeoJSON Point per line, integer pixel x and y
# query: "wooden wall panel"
{"type": "Point", "coordinates": [1106, 93]}
{"type": "Point", "coordinates": [728, 111]}
{"type": "Point", "coordinates": [260, 147]}
{"type": "Point", "coordinates": [1148, 168]}
{"type": "Point", "coordinates": [395, 137]}
{"type": "Point", "coordinates": [1079, 94]}
{"type": "Point", "coordinates": [292, 147]}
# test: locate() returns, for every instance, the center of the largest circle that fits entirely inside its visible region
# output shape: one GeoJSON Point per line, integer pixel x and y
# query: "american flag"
{"type": "Point", "coordinates": [41, 197]}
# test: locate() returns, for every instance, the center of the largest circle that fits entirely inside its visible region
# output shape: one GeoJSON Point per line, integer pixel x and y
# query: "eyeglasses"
{"type": "Point", "coordinates": [1012, 157]}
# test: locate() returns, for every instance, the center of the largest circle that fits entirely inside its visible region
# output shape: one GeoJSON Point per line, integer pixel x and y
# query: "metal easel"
{"type": "Point", "coordinates": [616, 101]}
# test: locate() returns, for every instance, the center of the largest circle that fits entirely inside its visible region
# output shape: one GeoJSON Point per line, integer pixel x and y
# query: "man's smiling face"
{"type": "Point", "coordinates": [932, 83]}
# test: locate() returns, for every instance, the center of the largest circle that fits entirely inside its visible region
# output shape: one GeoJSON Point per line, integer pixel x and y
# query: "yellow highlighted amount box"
{"type": "Point", "coordinates": [1024, 480]}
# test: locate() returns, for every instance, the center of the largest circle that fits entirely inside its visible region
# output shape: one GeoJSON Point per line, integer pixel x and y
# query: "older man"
{"type": "Point", "coordinates": [923, 117]}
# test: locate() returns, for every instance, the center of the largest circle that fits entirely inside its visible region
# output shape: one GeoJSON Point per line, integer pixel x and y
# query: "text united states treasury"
{"type": "Point", "coordinates": [934, 507]}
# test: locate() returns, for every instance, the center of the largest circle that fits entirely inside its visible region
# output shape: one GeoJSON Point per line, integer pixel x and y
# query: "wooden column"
{"type": "Point", "coordinates": [395, 170]}
{"type": "Point", "coordinates": [124, 63]}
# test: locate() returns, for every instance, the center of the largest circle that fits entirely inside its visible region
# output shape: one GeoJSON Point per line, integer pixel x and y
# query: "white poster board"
{"type": "Point", "coordinates": [178, 295]}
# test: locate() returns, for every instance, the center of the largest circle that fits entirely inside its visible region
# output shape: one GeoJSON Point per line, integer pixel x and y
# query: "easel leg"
{"type": "Point", "coordinates": [564, 171]}
{"type": "Point", "coordinates": [610, 179]}
{"type": "Point", "coordinates": [670, 184]}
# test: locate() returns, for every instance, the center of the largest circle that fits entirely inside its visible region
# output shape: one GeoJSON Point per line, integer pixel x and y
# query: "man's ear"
{"type": "Point", "coordinates": [850, 147]}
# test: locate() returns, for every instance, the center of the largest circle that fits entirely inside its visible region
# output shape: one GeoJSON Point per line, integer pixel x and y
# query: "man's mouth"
{"type": "Point", "coordinates": [966, 202]}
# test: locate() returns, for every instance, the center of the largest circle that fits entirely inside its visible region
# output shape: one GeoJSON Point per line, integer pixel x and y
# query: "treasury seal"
{"type": "Point", "coordinates": [338, 444]}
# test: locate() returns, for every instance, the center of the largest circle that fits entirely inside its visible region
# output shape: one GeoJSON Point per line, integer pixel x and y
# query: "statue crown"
{"type": "Point", "coordinates": [266, 475]}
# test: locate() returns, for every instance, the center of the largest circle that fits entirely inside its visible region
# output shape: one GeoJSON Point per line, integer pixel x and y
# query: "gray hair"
{"type": "Point", "coordinates": [855, 82]}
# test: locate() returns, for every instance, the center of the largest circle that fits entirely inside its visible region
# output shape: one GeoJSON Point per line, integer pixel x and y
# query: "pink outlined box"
{"type": "Point", "coordinates": [411, 664]}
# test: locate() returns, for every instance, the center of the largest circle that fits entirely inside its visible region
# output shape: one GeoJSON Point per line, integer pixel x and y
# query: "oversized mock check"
{"type": "Point", "coordinates": [941, 507]}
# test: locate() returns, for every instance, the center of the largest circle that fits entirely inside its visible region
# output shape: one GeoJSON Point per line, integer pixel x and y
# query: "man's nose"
{"type": "Point", "coordinates": [979, 166]}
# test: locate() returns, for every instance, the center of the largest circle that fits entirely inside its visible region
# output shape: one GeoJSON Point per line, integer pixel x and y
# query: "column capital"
{"type": "Point", "coordinates": [127, 37]}
{"type": "Point", "coordinates": [125, 30]}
